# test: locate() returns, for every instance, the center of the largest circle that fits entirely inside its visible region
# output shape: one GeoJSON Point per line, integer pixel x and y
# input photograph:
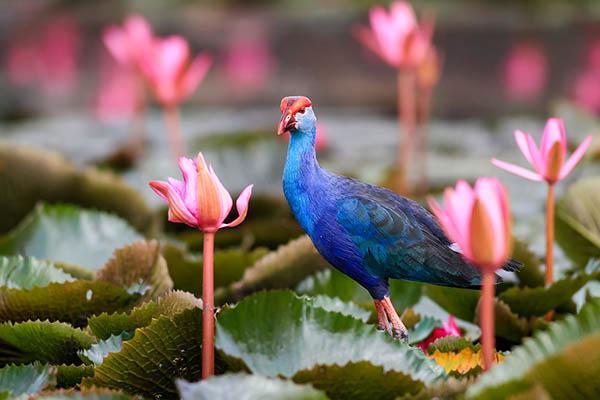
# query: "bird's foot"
{"type": "Point", "coordinates": [401, 334]}
{"type": "Point", "coordinates": [385, 327]}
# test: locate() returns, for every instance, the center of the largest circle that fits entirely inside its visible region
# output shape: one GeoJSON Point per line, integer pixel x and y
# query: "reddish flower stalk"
{"type": "Point", "coordinates": [551, 165]}
{"type": "Point", "coordinates": [202, 202]}
{"type": "Point", "coordinates": [398, 39]}
{"type": "Point", "coordinates": [173, 77]}
{"type": "Point", "coordinates": [478, 221]}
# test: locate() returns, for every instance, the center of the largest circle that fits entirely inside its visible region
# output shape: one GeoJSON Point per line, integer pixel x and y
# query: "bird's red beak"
{"type": "Point", "coordinates": [289, 106]}
{"type": "Point", "coordinates": [286, 123]}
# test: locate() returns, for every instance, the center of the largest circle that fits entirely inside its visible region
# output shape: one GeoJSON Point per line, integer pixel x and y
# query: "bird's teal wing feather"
{"type": "Point", "coordinates": [395, 244]}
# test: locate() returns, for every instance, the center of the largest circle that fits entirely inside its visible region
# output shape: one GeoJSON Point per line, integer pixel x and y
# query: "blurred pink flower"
{"type": "Point", "coordinates": [200, 201]}
{"type": "Point", "coordinates": [130, 44]}
{"type": "Point", "coordinates": [447, 329]}
{"type": "Point", "coordinates": [120, 92]}
{"type": "Point", "coordinates": [525, 71]}
{"type": "Point", "coordinates": [396, 37]}
{"type": "Point", "coordinates": [478, 220]}
{"type": "Point", "coordinates": [48, 59]}
{"type": "Point", "coordinates": [586, 92]}
{"type": "Point", "coordinates": [549, 160]}
{"type": "Point", "coordinates": [172, 76]}
{"type": "Point", "coordinates": [248, 64]}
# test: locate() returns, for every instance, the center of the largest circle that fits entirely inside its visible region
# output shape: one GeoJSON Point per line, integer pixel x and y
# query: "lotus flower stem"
{"type": "Point", "coordinates": [172, 123]}
{"type": "Point", "coordinates": [208, 307]}
{"type": "Point", "coordinates": [487, 318]}
{"type": "Point", "coordinates": [407, 118]}
{"type": "Point", "coordinates": [550, 235]}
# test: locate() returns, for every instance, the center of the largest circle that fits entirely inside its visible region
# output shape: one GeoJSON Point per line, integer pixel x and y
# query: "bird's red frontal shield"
{"type": "Point", "coordinates": [289, 106]}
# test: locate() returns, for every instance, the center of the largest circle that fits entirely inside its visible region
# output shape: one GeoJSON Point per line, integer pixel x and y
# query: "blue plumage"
{"type": "Point", "coordinates": [367, 232]}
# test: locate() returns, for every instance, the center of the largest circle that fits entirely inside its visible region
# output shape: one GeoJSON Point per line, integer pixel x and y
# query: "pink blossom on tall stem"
{"type": "Point", "coordinates": [478, 220]}
{"type": "Point", "coordinates": [447, 329]}
{"type": "Point", "coordinates": [398, 39]}
{"type": "Point", "coordinates": [525, 71]}
{"type": "Point", "coordinates": [551, 165]}
{"type": "Point", "coordinates": [173, 77]}
{"type": "Point", "coordinates": [201, 201]}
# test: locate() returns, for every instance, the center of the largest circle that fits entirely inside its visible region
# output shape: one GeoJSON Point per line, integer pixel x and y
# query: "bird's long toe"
{"type": "Point", "coordinates": [401, 334]}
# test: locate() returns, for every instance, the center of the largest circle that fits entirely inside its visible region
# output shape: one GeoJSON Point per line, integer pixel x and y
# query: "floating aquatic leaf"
{"type": "Point", "coordinates": [105, 325]}
{"type": "Point", "coordinates": [53, 342]}
{"type": "Point", "coordinates": [19, 272]}
{"type": "Point", "coordinates": [246, 387]}
{"type": "Point", "coordinates": [69, 234]}
{"type": "Point", "coordinates": [70, 302]}
{"type": "Point", "coordinates": [23, 379]}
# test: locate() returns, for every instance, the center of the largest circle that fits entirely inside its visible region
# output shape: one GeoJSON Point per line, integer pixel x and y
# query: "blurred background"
{"type": "Point", "coordinates": [506, 65]}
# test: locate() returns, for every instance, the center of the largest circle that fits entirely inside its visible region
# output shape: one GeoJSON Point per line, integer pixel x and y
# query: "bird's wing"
{"type": "Point", "coordinates": [395, 243]}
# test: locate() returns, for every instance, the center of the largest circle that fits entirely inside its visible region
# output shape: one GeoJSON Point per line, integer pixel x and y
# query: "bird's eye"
{"type": "Point", "coordinates": [302, 110]}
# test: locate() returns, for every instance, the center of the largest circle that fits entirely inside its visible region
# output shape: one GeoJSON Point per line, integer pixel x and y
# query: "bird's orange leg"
{"type": "Point", "coordinates": [399, 330]}
{"type": "Point", "coordinates": [383, 324]}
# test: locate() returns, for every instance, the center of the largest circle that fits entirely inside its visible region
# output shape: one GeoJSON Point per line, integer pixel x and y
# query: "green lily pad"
{"type": "Point", "coordinates": [70, 302]}
{"type": "Point", "coordinates": [577, 221]}
{"type": "Point", "coordinates": [69, 234]}
{"type": "Point", "coordinates": [99, 351]}
{"type": "Point", "coordinates": [53, 342]}
{"type": "Point", "coordinates": [138, 264]}
{"type": "Point", "coordinates": [26, 272]}
{"type": "Point", "coordinates": [105, 325]}
{"type": "Point", "coordinates": [423, 329]}
{"type": "Point", "coordinates": [361, 381]}
{"type": "Point", "coordinates": [68, 376]}
{"type": "Point", "coordinates": [30, 176]}
{"type": "Point", "coordinates": [279, 269]}
{"type": "Point", "coordinates": [451, 344]}
{"type": "Point", "coordinates": [277, 333]}
{"type": "Point", "coordinates": [148, 364]}
{"type": "Point", "coordinates": [246, 387]}
{"type": "Point", "coordinates": [459, 302]}
{"type": "Point", "coordinates": [528, 302]}
{"type": "Point", "coordinates": [564, 360]}
{"type": "Point", "coordinates": [333, 283]}
{"type": "Point", "coordinates": [229, 266]}
{"type": "Point", "coordinates": [85, 394]}
{"type": "Point", "coordinates": [23, 379]}
{"type": "Point", "coordinates": [531, 274]}
{"type": "Point", "coordinates": [335, 304]}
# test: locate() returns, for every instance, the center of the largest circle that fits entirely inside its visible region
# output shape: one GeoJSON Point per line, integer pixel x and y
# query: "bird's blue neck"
{"type": "Point", "coordinates": [301, 175]}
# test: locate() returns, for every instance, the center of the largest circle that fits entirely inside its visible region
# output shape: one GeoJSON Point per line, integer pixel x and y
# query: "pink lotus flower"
{"type": "Point", "coordinates": [248, 64]}
{"type": "Point", "coordinates": [478, 221]}
{"type": "Point", "coordinates": [447, 329]}
{"type": "Point", "coordinates": [130, 44]}
{"type": "Point", "coordinates": [587, 89]}
{"type": "Point", "coordinates": [49, 58]}
{"type": "Point", "coordinates": [525, 71]}
{"type": "Point", "coordinates": [549, 160]}
{"type": "Point", "coordinates": [171, 74]}
{"type": "Point", "coordinates": [200, 201]}
{"type": "Point", "coordinates": [396, 36]}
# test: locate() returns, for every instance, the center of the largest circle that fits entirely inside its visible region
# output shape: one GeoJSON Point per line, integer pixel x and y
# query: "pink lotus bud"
{"type": "Point", "coordinates": [478, 221]}
{"type": "Point", "coordinates": [396, 37]}
{"type": "Point", "coordinates": [549, 160]}
{"type": "Point", "coordinates": [200, 201]}
{"type": "Point", "coordinates": [171, 74]}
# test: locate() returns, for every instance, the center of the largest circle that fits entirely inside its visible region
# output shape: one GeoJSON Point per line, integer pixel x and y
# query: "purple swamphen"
{"type": "Point", "coordinates": [369, 233]}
